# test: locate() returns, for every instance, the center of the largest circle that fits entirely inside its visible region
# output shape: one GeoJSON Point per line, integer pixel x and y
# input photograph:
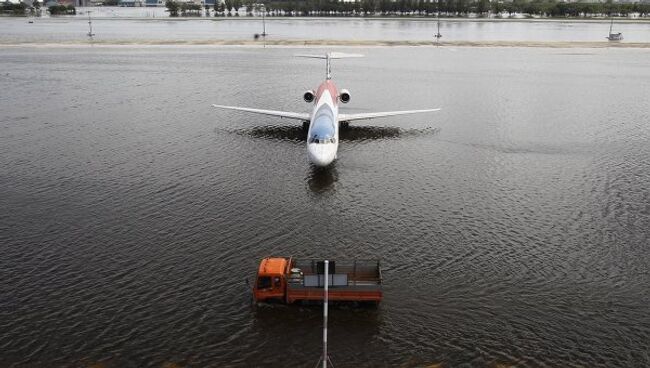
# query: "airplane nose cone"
{"type": "Point", "coordinates": [320, 154]}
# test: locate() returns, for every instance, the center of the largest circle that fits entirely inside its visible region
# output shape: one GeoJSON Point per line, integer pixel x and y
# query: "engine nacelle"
{"type": "Point", "coordinates": [309, 96]}
{"type": "Point", "coordinates": [344, 96]}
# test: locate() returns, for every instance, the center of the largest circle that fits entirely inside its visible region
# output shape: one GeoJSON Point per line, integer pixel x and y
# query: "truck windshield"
{"type": "Point", "coordinates": [264, 282]}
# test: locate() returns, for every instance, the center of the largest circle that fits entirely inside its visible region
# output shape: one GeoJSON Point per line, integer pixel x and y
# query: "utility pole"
{"type": "Point", "coordinates": [325, 359]}
{"type": "Point", "coordinates": [90, 25]}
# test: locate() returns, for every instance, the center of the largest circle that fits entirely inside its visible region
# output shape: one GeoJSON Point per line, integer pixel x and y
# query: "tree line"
{"type": "Point", "coordinates": [62, 9]}
{"type": "Point", "coordinates": [185, 9]}
{"type": "Point", "coordinates": [11, 8]}
{"type": "Point", "coordinates": [446, 8]}
{"type": "Point", "coordinates": [21, 9]}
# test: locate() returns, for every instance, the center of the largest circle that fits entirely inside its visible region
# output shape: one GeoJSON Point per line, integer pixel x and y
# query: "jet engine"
{"type": "Point", "coordinates": [308, 96]}
{"type": "Point", "coordinates": [344, 96]}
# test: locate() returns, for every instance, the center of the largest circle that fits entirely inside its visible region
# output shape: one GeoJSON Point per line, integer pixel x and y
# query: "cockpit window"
{"type": "Point", "coordinates": [322, 127]}
{"type": "Point", "coordinates": [324, 140]}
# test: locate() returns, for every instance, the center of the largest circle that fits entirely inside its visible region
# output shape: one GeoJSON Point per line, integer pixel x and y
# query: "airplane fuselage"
{"type": "Point", "coordinates": [323, 133]}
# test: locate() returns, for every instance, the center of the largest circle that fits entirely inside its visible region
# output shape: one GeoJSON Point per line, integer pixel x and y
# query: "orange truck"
{"type": "Point", "coordinates": [290, 280]}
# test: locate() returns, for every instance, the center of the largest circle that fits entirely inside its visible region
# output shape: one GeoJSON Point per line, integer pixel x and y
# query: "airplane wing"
{"type": "Point", "coordinates": [282, 114]}
{"type": "Point", "coordinates": [372, 115]}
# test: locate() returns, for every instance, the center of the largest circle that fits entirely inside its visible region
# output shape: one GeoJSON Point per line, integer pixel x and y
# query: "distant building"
{"type": "Point", "coordinates": [161, 3]}
{"type": "Point", "coordinates": [130, 3]}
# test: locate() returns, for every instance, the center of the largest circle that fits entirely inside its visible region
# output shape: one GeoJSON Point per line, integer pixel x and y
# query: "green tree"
{"type": "Point", "coordinates": [462, 6]}
{"type": "Point", "coordinates": [643, 9]}
{"type": "Point", "coordinates": [61, 9]}
{"type": "Point", "coordinates": [384, 6]}
{"type": "Point", "coordinates": [219, 8]}
{"type": "Point", "coordinates": [449, 7]}
{"type": "Point", "coordinates": [236, 4]}
{"type": "Point", "coordinates": [496, 7]}
{"type": "Point", "coordinates": [250, 4]}
{"type": "Point", "coordinates": [518, 6]}
{"type": "Point", "coordinates": [191, 9]}
{"type": "Point", "coordinates": [483, 7]}
{"type": "Point", "coordinates": [228, 6]}
{"type": "Point", "coordinates": [172, 7]}
{"type": "Point", "coordinates": [369, 6]}
{"type": "Point", "coordinates": [19, 9]}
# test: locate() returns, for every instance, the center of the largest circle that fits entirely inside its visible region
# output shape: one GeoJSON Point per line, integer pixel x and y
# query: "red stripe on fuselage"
{"type": "Point", "coordinates": [328, 85]}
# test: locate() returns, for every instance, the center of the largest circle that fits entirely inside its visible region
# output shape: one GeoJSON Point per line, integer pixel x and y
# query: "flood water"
{"type": "Point", "coordinates": [512, 226]}
{"type": "Point", "coordinates": [153, 25]}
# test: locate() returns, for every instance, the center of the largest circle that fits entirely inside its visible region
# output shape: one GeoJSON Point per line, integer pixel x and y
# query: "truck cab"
{"type": "Point", "coordinates": [270, 283]}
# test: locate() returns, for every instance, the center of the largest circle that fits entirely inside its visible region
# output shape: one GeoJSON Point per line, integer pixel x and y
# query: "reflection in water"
{"type": "Point", "coordinates": [349, 31]}
{"type": "Point", "coordinates": [277, 132]}
{"type": "Point", "coordinates": [322, 179]}
{"type": "Point", "coordinates": [132, 240]}
{"type": "Point", "coordinates": [352, 133]}
{"type": "Point", "coordinates": [359, 315]}
{"type": "Point", "coordinates": [349, 328]}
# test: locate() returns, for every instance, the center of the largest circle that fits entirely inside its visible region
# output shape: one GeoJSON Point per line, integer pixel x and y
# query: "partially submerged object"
{"type": "Point", "coordinates": [90, 26]}
{"type": "Point", "coordinates": [438, 35]}
{"type": "Point", "coordinates": [289, 280]}
{"type": "Point", "coordinates": [614, 36]}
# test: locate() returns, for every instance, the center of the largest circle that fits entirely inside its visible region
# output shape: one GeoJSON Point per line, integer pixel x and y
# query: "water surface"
{"type": "Point", "coordinates": [512, 225]}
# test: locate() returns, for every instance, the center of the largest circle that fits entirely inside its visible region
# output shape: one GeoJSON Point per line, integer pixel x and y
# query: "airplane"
{"type": "Point", "coordinates": [324, 122]}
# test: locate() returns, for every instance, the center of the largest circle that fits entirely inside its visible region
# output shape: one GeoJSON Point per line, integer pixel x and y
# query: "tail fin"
{"type": "Point", "coordinates": [329, 56]}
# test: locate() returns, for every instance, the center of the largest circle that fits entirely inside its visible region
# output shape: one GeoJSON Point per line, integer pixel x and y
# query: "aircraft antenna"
{"type": "Point", "coordinates": [329, 66]}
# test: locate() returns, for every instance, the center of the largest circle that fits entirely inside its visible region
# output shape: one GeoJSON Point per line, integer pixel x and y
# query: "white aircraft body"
{"type": "Point", "coordinates": [324, 121]}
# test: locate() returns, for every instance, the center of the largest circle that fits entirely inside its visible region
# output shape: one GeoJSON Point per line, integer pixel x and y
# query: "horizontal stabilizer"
{"type": "Point", "coordinates": [328, 57]}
